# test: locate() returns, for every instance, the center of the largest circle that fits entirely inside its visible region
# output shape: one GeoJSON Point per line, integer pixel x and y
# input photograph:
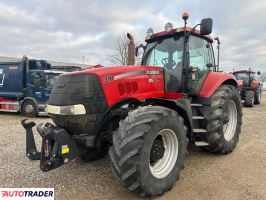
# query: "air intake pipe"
{"type": "Point", "coordinates": [131, 50]}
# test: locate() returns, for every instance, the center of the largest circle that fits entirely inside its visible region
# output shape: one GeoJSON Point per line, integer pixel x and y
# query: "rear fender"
{"type": "Point", "coordinates": [214, 80]}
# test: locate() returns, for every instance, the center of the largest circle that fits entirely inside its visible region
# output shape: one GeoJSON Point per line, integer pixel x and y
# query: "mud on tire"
{"type": "Point", "coordinates": [221, 141]}
{"type": "Point", "coordinates": [130, 154]}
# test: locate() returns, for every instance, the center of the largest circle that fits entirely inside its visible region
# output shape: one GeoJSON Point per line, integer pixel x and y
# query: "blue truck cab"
{"type": "Point", "coordinates": [25, 86]}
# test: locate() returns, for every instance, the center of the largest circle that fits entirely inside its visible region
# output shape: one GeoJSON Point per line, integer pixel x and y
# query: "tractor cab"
{"type": "Point", "coordinates": [245, 77]}
{"type": "Point", "coordinates": [186, 54]}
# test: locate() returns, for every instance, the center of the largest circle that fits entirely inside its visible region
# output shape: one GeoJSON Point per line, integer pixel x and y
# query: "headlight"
{"type": "Point", "coordinates": [168, 27]}
{"type": "Point", "coordinates": [149, 32]}
{"type": "Point", "coordinates": [67, 110]}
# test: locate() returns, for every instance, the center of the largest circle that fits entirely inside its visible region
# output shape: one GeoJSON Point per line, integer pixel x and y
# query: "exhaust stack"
{"type": "Point", "coordinates": [131, 50]}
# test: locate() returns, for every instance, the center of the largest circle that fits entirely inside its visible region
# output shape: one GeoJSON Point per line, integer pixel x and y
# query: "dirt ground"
{"type": "Point", "coordinates": [240, 175]}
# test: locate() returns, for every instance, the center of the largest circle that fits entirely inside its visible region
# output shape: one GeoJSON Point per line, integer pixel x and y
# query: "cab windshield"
{"type": "Point", "coordinates": [242, 76]}
{"type": "Point", "coordinates": [168, 53]}
{"type": "Point", "coordinates": [165, 53]}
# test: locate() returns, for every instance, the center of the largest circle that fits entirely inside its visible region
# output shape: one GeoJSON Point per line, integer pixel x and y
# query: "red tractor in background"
{"type": "Point", "coordinates": [250, 86]}
{"type": "Point", "coordinates": [145, 115]}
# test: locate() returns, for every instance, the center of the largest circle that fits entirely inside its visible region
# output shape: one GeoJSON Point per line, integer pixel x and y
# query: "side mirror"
{"type": "Point", "coordinates": [206, 26]}
{"type": "Point", "coordinates": [209, 65]}
{"type": "Point", "coordinates": [258, 72]}
{"type": "Point", "coordinates": [36, 79]}
{"type": "Point", "coordinates": [137, 49]}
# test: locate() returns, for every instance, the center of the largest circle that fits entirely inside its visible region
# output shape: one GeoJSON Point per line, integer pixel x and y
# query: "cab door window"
{"type": "Point", "coordinates": [201, 58]}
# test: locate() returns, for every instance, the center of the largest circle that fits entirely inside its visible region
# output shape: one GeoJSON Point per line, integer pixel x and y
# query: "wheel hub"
{"type": "Point", "coordinates": [163, 153]}
{"type": "Point", "coordinates": [29, 108]}
{"type": "Point", "coordinates": [230, 121]}
{"type": "Point", "coordinates": [157, 151]}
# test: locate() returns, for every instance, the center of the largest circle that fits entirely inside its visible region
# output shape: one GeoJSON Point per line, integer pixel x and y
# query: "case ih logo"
{"type": "Point", "coordinates": [27, 193]}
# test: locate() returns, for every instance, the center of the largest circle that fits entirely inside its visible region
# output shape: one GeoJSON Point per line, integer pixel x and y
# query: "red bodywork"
{"type": "Point", "coordinates": [145, 82]}
{"type": "Point", "coordinates": [213, 81]}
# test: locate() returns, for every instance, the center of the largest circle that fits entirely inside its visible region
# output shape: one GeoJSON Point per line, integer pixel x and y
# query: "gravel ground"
{"type": "Point", "coordinates": [240, 175]}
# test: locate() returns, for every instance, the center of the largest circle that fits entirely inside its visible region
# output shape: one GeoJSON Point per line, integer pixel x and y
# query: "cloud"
{"type": "Point", "coordinates": [67, 30]}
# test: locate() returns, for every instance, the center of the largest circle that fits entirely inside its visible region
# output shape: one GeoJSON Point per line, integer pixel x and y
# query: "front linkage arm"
{"type": "Point", "coordinates": [57, 145]}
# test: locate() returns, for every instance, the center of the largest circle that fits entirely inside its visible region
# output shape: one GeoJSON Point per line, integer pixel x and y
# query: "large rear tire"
{"type": "Point", "coordinates": [149, 149]}
{"type": "Point", "coordinates": [249, 98]}
{"type": "Point", "coordinates": [224, 122]}
{"type": "Point", "coordinates": [257, 99]}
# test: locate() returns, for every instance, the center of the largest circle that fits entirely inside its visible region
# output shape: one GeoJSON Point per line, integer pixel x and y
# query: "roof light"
{"type": "Point", "coordinates": [149, 32]}
{"type": "Point", "coordinates": [185, 15]}
{"type": "Point", "coordinates": [168, 27]}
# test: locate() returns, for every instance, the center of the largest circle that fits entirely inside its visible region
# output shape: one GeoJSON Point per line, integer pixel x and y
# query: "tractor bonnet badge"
{"type": "Point", "coordinates": [108, 78]}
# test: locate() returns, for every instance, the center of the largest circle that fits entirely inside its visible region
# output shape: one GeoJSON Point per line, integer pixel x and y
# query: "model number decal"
{"type": "Point", "coordinates": [108, 78]}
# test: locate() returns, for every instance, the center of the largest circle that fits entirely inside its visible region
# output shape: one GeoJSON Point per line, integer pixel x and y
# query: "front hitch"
{"type": "Point", "coordinates": [57, 145]}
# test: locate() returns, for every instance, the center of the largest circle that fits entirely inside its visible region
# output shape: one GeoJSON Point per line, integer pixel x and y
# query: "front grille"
{"type": "Point", "coordinates": [75, 89]}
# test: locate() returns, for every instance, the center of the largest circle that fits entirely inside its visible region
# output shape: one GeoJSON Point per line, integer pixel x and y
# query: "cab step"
{"type": "Point", "coordinates": [198, 117]}
{"type": "Point", "coordinates": [199, 130]}
{"type": "Point", "coordinates": [201, 144]}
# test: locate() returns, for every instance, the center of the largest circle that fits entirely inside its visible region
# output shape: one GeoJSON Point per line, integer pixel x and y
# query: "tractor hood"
{"type": "Point", "coordinates": [113, 71]}
{"type": "Point", "coordinates": [113, 83]}
{"type": "Point", "coordinates": [79, 100]}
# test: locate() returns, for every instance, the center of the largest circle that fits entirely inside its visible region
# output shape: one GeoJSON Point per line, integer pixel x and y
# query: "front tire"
{"type": "Point", "coordinates": [29, 108]}
{"type": "Point", "coordinates": [249, 98]}
{"type": "Point", "coordinates": [149, 149]}
{"type": "Point", "coordinates": [224, 122]}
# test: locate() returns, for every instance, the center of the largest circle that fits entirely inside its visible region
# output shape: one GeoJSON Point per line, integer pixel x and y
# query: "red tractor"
{"type": "Point", "coordinates": [144, 115]}
{"type": "Point", "coordinates": [250, 86]}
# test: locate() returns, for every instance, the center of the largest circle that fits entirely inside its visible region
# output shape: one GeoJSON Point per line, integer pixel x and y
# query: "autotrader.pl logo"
{"type": "Point", "coordinates": [26, 193]}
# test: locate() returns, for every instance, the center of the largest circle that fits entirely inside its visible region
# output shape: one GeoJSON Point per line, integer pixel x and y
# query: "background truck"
{"type": "Point", "coordinates": [144, 115]}
{"type": "Point", "coordinates": [250, 86]}
{"type": "Point", "coordinates": [25, 86]}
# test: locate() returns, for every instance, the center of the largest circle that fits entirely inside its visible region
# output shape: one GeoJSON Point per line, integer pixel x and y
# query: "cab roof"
{"type": "Point", "coordinates": [177, 31]}
{"type": "Point", "coordinates": [244, 71]}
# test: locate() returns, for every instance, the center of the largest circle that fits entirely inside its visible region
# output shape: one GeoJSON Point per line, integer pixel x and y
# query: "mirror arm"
{"type": "Point", "coordinates": [137, 48]}
{"type": "Point", "coordinates": [193, 29]}
{"type": "Point", "coordinates": [218, 52]}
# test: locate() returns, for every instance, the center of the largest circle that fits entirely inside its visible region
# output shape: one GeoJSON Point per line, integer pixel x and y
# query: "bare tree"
{"type": "Point", "coordinates": [119, 53]}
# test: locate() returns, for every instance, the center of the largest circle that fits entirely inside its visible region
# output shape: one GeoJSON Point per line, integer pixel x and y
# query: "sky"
{"type": "Point", "coordinates": [61, 30]}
